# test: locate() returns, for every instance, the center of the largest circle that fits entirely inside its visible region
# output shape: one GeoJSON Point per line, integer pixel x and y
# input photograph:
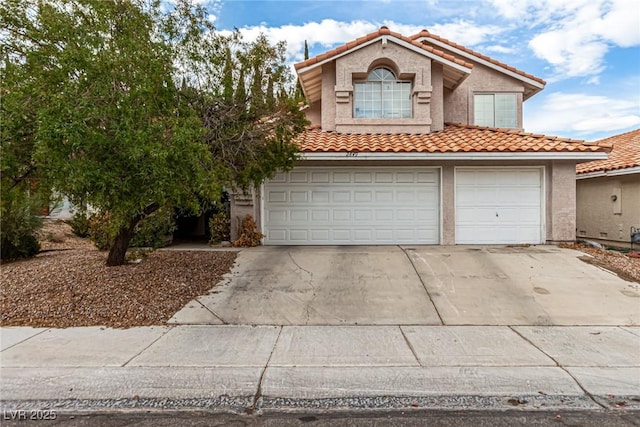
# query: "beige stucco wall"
{"type": "Point", "coordinates": [559, 193]}
{"type": "Point", "coordinates": [561, 200]}
{"type": "Point", "coordinates": [337, 89]}
{"type": "Point", "coordinates": [601, 218]}
{"type": "Point", "coordinates": [458, 104]}
{"type": "Point", "coordinates": [313, 113]}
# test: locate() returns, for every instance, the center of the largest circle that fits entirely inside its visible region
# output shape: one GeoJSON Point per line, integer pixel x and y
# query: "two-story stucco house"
{"type": "Point", "coordinates": [418, 140]}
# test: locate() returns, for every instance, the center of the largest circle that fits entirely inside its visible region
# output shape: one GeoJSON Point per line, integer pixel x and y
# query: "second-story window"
{"type": "Point", "coordinates": [382, 95]}
{"type": "Point", "coordinates": [495, 110]}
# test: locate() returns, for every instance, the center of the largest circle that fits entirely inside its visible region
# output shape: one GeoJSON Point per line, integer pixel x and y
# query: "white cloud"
{"type": "Point", "coordinates": [466, 33]}
{"type": "Point", "coordinates": [575, 35]}
{"type": "Point", "coordinates": [581, 114]}
{"type": "Point", "coordinates": [326, 33]}
{"type": "Point", "coordinates": [329, 32]}
{"type": "Point", "coordinates": [499, 49]}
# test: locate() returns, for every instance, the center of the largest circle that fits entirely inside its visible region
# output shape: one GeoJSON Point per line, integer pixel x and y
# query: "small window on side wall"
{"type": "Point", "coordinates": [498, 110]}
{"type": "Point", "coordinates": [382, 95]}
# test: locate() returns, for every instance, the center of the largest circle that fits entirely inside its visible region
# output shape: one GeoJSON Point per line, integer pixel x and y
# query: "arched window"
{"type": "Point", "coordinates": [382, 95]}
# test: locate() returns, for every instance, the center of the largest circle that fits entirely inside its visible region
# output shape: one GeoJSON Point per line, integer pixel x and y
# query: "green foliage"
{"type": "Point", "coordinates": [100, 231]}
{"type": "Point", "coordinates": [248, 234]}
{"type": "Point", "coordinates": [92, 108]}
{"type": "Point", "coordinates": [19, 223]}
{"type": "Point", "coordinates": [220, 227]}
{"type": "Point", "coordinates": [79, 224]}
{"type": "Point", "coordinates": [153, 230]}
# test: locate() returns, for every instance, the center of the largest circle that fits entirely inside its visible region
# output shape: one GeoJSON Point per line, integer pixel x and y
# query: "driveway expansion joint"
{"type": "Point", "coordinates": [413, 351]}
{"type": "Point", "coordinates": [224, 322]}
{"type": "Point", "coordinates": [584, 390]}
{"type": "Point", "coordinates": [423, 284]}
{"type": "Point", "coordinates": [169, 328]}
{"type": "Point", "coordinates": [28, 338]}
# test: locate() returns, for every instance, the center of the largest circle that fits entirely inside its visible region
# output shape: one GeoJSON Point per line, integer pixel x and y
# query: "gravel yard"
{"type": "Point", "coordinates": [69, 284]}
{"type": "Point", "coordinates": [627, 266]}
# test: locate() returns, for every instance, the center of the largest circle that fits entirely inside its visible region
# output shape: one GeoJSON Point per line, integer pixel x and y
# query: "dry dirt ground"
{"type": "Point", "coordinates": [68, 284]}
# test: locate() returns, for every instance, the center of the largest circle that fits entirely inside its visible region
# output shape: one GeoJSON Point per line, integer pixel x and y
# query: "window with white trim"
{"type": "Point", "coordinates": [498, 110]}
{"type": "Point", "coordinates": [382, 95]}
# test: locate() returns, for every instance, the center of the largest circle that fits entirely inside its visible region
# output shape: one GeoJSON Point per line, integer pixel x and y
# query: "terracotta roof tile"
{"type": "Point", "coordinates": [454, 138]}
{"type": "Point", "coordinates": [625, 154]}
{"type": "Point", "coordinates": [425, 33]}
{"type": "Point", "coordinates": [383, 31]}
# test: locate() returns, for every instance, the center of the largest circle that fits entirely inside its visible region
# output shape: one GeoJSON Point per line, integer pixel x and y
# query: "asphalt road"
{"type": "Point", "coordinates": [360, 418]}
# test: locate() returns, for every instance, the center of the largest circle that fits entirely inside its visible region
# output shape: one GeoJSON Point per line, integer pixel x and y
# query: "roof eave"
{"type": "Point", "coordinates": [605, 173]}
{"type": "Point", "coordinates": [345, 155]}
{"type": "Point", "coordinates": [534, 85]}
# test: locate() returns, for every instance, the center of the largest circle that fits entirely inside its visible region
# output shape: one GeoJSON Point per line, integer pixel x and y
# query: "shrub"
{"type": "Point", "coordinates": [99, 232]}
{"type": "Point", "coordinates": [153, 230]}
{"type": "Point", "coordinates": [248, 233]}
{"type": "Point", "coordinates": [80, 224]}
{"type": "Point", "coordinates": [220, 226]}
{"type": "Point", "coordinates": [18, 224]}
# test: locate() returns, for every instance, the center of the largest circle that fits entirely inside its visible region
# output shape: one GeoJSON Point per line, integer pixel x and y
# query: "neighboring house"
{"type": "Point", "coordinates": [418, 140]}
{"type": "Point", "coordinates": [608, 192]}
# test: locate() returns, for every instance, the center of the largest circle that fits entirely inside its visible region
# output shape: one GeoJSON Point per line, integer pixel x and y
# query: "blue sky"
{"type": "Point", "coordinates": [588, 51]}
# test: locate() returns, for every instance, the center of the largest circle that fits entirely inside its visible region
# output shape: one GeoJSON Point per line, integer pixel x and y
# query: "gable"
{"type": "Point", "coordinates": [310, 71]}
{"type": "Point", "coordinates": [531, 83]}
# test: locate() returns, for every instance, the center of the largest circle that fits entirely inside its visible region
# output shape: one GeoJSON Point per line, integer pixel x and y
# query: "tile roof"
{"type": "Point", "coordinates": [455, 138]}
{"type": "Point", "coordinates": [625, 154]}
{"type": "Point", "coordinates": [383, 31]}
{"type": "Point", "coordinates": [425, 33]}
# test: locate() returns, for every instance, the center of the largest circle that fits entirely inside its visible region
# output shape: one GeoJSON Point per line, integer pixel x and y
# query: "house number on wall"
{"type": "Point", "coordinates": [352, 154]}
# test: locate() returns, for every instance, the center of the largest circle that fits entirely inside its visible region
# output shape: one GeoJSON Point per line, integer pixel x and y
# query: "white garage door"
{"type": "Point", "coordinates": [352, 206]}
{"type": "Point", "coordinates": [498, 205]}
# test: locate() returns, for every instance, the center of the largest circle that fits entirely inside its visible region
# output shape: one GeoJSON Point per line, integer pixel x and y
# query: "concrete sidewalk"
{"type": "Point", "coordinates": [262, 368]}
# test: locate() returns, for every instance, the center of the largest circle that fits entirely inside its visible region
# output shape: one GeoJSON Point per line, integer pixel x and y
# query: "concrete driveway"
{"type": "Point", "coordinates": [416, 285]}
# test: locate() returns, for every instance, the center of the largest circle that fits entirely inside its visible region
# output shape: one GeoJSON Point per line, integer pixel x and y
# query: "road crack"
{"type": "Point", "coordinates": [310, 283]}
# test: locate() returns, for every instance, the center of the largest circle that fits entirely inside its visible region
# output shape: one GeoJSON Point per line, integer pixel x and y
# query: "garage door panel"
{"type": "Point", "coordinates": [384, 235]}
{"type": "Point", "coordinates": [362, 196]}
{"type": "Point", "coordinates": [384, 214]}
{"type": "Point", "coordinates": [405, 177]}
{"type": "Point", "coordinates": [299, 235]}
{"type": "Point", "coordinates": [341, 235]}
{"type": "Point", "coordinates": [360, 206]}
{"type": "Point", "coordinates": [341, 215]}
{"type": "Point", "coordinates": [362, 235]}
{"type": "Point", "coordinates": [275, 196]}
{"type": "Point", "coordinates": [320, 177]}
{"type": "Point", "coordinates": [298, 196]}
{"type": "Point", "coordinates": [320, 215]}
{"type": "Point", "coordinates": [427, 177]}
{"type": "Point", "coordinates": [341, 196]}
{"type": "Point", "coordinates": [384, 177]}
{"type": "Point", "coordinates": [363, 177]}
{"type": "Point", "coordinates": [499, 205]}
{"type": "Point", "coordinates": [341, 177]}
{"type": "Point", "coordinates": [384, 196]}
{"type": "Point", "coordinates": [298, 177]}
{"type": "Point", "coordinates": [277, 235]}
{"type": "Point", "coordinates": [362, 215]}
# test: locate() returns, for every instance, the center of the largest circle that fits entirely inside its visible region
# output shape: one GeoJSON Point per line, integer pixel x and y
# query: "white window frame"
{"type": "Point", "coordinates": [500, 109]}
{"type": "Point", "coordinates": [397, 87]}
